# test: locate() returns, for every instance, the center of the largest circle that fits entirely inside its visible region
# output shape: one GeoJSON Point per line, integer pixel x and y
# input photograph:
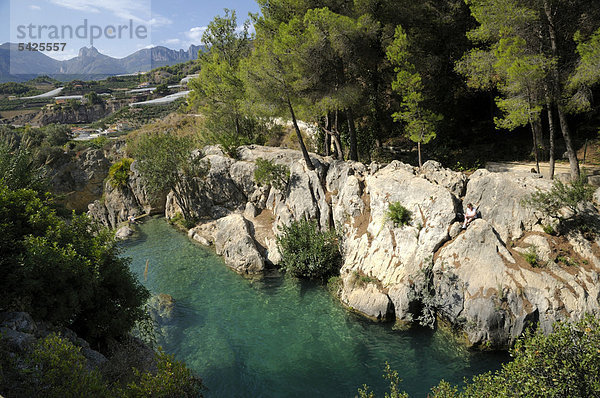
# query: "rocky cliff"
{"type": "Point", "coordinates": [133, 199]}
{"type": "Point", "coordinates": [475, 280]}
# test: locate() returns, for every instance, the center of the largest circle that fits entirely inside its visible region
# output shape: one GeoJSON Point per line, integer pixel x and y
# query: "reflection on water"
{"type": "Point", "coordinates": [279, 337]}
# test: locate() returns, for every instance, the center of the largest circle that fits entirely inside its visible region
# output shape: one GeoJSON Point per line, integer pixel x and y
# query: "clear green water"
{"type": "Point", "coordinates": [278, 337]}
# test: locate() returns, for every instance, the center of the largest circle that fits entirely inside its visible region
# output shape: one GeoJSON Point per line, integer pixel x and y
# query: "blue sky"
{"type": "Point", "coordinates": [171, 23]}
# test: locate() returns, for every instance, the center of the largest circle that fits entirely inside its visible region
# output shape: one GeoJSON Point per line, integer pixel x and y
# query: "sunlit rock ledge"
{"type": "Point", "coordinates": [475, 280]}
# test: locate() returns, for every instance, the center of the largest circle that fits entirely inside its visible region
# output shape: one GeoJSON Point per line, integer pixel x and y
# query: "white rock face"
{"type": "Point", "coordinates": [395, 255]}
{"type": "Point", "coordinates": [234, 242]}
{"type": "Point", "coordinates": [367, 299]}
{"type": "Point", "coordinates": [453, 181]}
{"type": "Point", "coordinates": [498, 197]}
{"type": "Point", "coordinates": [539, 245]}
{"type": "Point", "coordinates": [429, 267]}
{"type": "Point", "coordinates": [479, 284]}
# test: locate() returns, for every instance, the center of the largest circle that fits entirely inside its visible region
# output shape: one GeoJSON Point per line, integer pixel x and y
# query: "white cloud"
{"type": "Point", "coordinates": [172, 42]}
{"type": "Point", "coordinates": [195, 34]}
{"type": "Point", "coordinates": [34, 7]}
{"type": "Point", "coordinates": [159, 20]}
{"type": "Point", "coordinates": [136, 10]}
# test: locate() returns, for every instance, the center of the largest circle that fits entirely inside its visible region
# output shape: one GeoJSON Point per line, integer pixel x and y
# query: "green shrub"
{"type": "Point", "coordinates": [58, 369]}
{"type": "Point", "coordinates": [172, 379]}
{"type": "Point", "coordinates": [566, 260]}
{"type": "Point", "coordinates": [398, 214]}
{"type": "Point", "coordinates": [531, 256]}
{"type": "Point", "coordinates": [67, 272]}
{"type": "Point", "coordinates": [308, 252]}
{"type": "Point", "coordinates": [17, 169]}
{"type": "Point", "coordinates": [549, 229]}
{"type": "Point", "coordinates": [564, 363]}
{"type": "Point", "coordinates": [269, 173]}
{"type": "Point", "coordinates": [180, 221]}
{"type": "Point", "coordinates": [394, 380]}
{"type": "Point", "coordinates": [334, 284]}
{"type": "Point", "coordinates": [363, 280]}
{"type": "Point", "coordinates": [99, 142]}
{"type": "Point", "coordinates": [55, 367]}
{"type": "Point", "coordinates": [562, 195]}
{"type": "Point", "coordinates": [119, 172]}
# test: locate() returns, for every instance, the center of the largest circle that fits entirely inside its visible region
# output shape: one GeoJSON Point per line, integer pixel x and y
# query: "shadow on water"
{"type": "Point", "coordinates": [280, 337]}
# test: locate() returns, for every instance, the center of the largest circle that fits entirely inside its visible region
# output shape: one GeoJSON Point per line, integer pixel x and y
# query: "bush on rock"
{"type": "Point", "coordinates": [308, 252]}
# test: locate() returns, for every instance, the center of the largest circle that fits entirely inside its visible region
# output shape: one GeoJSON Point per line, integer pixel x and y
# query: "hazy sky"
{"type": "Point", "coordinates": [119, 27]}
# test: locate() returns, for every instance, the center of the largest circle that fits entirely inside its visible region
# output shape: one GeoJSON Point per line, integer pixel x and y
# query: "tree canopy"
{"type": "Point", "coordinates": [374, 72]}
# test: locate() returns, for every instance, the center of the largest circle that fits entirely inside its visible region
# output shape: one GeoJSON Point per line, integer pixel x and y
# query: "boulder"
{"type": "Point", "coordinates": [161, 307]}
{"type": "Point", "coordinates": [19, 321]}
{"type": "Point", "coordinates": [118, 203]}
{"type": "Point", "coordinates": [15, 340]}
{"type": "Point", "coordinates": [235, 243]}
{"type": "Point", "coordinates": [366, 298]}
{"type": "Point", "coordinates": [481, 287]}
{"type": "Point", "coordinates": [124, 232]}
{"type": "Point", "coordinates": [81, 180]}
{"type": "Point", "coordinates": [453, 181]}
{"type": "Point", "coordinates": [539, 244]}
{"type": "Point", "coordinates": [392, 254]}
{"type": "Point", "coordinates": [250, 211]}
{"type": "Point", "coordinates": [498, 197]}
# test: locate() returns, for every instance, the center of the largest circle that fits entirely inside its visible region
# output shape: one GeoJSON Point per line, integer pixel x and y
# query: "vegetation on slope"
{"type": "Point", "coordinates": [564, 363]}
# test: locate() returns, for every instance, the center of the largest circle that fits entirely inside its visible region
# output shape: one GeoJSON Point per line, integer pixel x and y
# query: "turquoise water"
{"type": "Point", "coordinates": [278, 337]}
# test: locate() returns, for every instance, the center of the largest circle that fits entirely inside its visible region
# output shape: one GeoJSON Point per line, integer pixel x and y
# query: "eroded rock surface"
{"type": "Point", "coordinates": [429, 268]}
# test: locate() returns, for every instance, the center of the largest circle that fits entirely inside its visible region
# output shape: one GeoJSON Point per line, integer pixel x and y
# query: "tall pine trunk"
{"type": "Point", "coordinates": [336, 137]}
{"type": "Point", "coordinates": [307, 160]}
{"type": "Point", "coordinates": [564, 126]}
{"type": "Point", "coordinates": [534, 132]}
{"type": "Point", "coordinates": [552, 129]}
{"type": "Point", "coordinates": [353, 155]}
{"type": "Point", "coordinates": [327, 138]}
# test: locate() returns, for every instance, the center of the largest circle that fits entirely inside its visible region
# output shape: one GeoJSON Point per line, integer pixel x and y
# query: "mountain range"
{"type": "Point", "coordinates": [89, 64]}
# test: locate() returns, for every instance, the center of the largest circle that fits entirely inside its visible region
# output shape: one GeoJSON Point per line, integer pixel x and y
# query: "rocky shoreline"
{"type": "Point", "coordinates": [477, 280]}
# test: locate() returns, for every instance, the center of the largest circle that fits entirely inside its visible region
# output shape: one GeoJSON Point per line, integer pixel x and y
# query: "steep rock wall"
{"type": "Point", "coordinates": [476, 280]}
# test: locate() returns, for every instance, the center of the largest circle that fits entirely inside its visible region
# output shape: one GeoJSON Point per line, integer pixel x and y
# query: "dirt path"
{"type": "Point", "coordinates": [526, 167]}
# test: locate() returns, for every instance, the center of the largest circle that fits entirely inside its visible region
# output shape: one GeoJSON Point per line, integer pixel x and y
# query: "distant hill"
{"type": "Point", "coordinates": [89, 64]}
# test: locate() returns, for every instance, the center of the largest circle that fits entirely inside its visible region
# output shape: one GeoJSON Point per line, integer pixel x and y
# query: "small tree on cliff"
{"type": "Point", "coordinates": [420, 122]}
{"type": "Point", "coordinates": [271, 76]}
{"type": "Point", "coordinates": [166, 163]}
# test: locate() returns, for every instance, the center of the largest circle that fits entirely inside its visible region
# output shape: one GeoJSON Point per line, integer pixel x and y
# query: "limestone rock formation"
{"type": "Point", "coordinates": [80, 181]}
{"type": "Point", "coordinates": [233, 241]}
{"type": "Point", "coordinates": [118, 203]}
{"type": "Point", "coordinates": [498, 196]}
{"type": "Point", "coordinates": [476, 280]}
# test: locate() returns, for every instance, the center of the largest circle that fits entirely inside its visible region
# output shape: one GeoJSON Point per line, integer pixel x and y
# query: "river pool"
{"type": "Point", "coordinates": [279, 337]}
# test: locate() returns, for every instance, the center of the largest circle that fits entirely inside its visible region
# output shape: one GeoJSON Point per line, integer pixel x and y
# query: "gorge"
{"type": "Point", "coordinates": [476, 281]}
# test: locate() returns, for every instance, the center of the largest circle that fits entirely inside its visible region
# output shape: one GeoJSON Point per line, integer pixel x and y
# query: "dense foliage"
{"type": "Point", "coordinates": [376, 73]}
{"type": "Point", "coordinates": [564, 363]}
{"type": "Point", "coordinates": [118, 174]}
{"type": "Point", "coordinates": [55, 367]}
{"type": "Point", "coordinates": [18, 170]}
{"type": "Point", "coordinates": [65, 272]}
{"type": "Point", "coordinates": [218, 92]}
{"type": "Point", "coordinates": [166, 163]}
{"type": "Point", "coordinates": [43, 146]}
{"type": "Point", "coordinates": [269, 173]}
{"type": "Point", "coordinates": [12, 88]}
{"type": "Point", "coordinates": [308, 252]}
